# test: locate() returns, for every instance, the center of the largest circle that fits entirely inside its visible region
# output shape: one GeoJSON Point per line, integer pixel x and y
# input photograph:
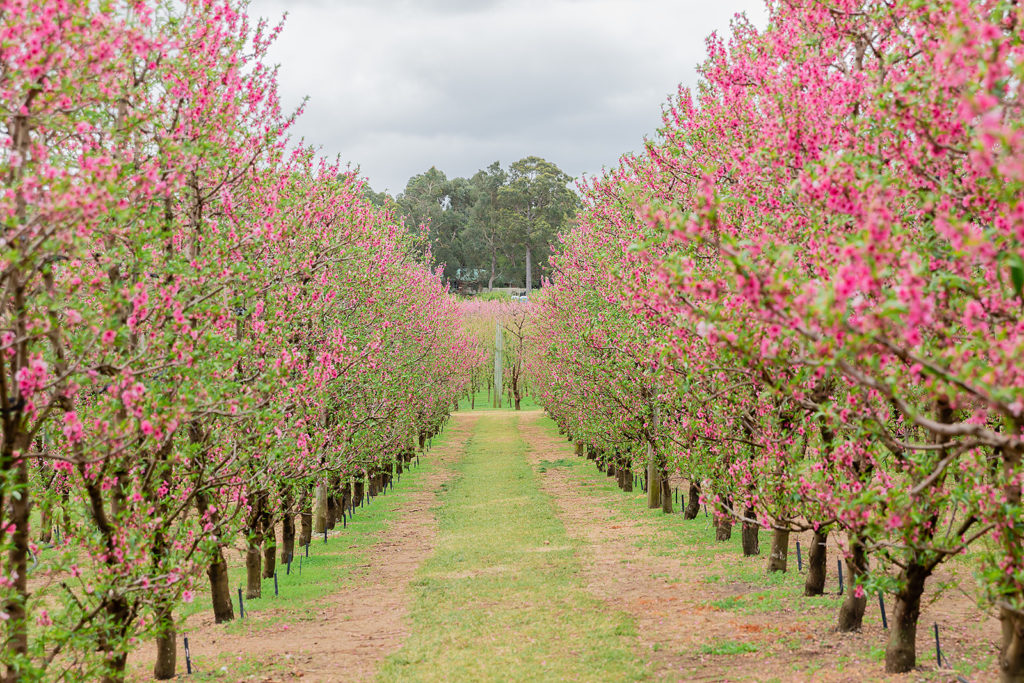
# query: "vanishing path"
{"type": "Point", "coordinates": [508, 558]}
{"type": "Point", "coordinates": [503, 597]}
{"type": "Point", "coordinates": [544, 570]}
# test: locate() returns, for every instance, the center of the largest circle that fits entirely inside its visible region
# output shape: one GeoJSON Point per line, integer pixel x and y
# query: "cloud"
{"type": "Point", "coordinates": [397, 86]}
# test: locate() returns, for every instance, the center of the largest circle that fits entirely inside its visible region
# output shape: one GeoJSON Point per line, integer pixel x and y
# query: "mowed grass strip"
{"type": "Point", "coordinates": [329, 566]}
{"type": "Point", "coordinates": [502, 598]}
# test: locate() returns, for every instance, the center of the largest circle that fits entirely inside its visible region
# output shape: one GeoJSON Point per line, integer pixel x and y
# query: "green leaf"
{"type": "Point", "coordinates": [1017, 273]}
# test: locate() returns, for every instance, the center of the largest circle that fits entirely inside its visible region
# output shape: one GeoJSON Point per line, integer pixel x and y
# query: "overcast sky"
{"type": "Point", "coordinates": [398, 86]}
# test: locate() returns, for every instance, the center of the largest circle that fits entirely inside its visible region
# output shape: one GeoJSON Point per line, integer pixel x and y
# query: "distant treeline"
{"type": "Point", "coordinates": [486, 229]}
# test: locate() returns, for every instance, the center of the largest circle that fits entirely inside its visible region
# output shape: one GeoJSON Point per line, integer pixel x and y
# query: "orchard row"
{"type": "Point", "coordinates": [805, 297]}
{"type": "Point", "coordinates": [204, 328]}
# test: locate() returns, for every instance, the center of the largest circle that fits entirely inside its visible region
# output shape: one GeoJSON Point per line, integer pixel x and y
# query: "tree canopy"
{"type": "Point", "coordinates": [484, 229]}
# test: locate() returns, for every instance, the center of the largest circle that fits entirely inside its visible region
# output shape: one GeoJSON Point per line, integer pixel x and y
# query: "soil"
{"type": "Point", "coordinates": [355, 628]}
{"type": "Point", "coordinates": [670, 599]}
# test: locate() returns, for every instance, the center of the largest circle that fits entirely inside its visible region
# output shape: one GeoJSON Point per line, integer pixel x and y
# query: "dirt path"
{"type": "Point", "coordinates": [350, 632]}
{"type": "Point", "coordinates": [673, 598]}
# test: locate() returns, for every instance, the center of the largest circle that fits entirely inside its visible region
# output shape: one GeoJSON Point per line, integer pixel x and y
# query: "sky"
{"type": "Point", "coordinates": [398, 86]}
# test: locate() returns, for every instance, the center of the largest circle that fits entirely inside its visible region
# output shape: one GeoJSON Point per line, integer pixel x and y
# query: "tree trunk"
{"type": "Point", "coordinates": [817, 563]}
{"type": "Point", "coordinates": [653, 479]}
{"type": "Point", "coordinates": [693, 505]}
{"type": "Point", "coordinates": [220, 589]}
{"type": "Point", "coordinates": [305, 524]}
{"type": "Point", "coordinates": [851, 613]}
{"type": "Point", "coordinates": [253, 562]}
{"type": "Point", "coordinates": [1011, 656]}
{"type": "Point", "coordinates": [17, 567]}
{"type": "Point", "coordinates": [269, 545]}
{"type": "Point", "coordinates": [118, 615]}
{"type": "Point", "coordinates": [579, 449]}
{"type": "Point", "coordinates": [345, 499]}
{"type": "Point", "coordinates": [320, 510]}
{"type": "Point", "coordinates": [723, 524]}
{"type": "Point", "coordinates": [666, 493]}
{"type": "Point", "coordinates": [901, 652]}
{"type": "Point", "coordinates": [627, 476]}
{"type": "Point", "coordinates": [166, 649]}
{"type": "Point", "coordinates": [287, 534]}
{"type": "Point", "coordinates": [778, 559]}
{"type": "Point", "coordinates": [253, 554]}
{"type": "Point", "coordinates": [358, 487]}
{"type": "Point", "coordinates": [751, 542]}
{"type": "Point", "coordinates": [46, 522]}
{"type": "Point", "coordinates": [332, 511]}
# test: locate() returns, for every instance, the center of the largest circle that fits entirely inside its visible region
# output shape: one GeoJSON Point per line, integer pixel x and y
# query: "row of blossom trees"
{"type": "Point", "coordinates": [204, 330]}
{"type": "Point", "coordinates": [807, 296]}
{"type": "Point", "coordinates": [488, 323]}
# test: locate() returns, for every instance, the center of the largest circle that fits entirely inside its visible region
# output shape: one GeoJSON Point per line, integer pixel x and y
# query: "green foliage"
{"type": "Point", "coordinates": [481, 228]}
{"type": "Point", "coordinates": [727, 647]}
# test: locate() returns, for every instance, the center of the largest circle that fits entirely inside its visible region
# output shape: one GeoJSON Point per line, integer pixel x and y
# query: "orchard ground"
{"type": "Point", "coordinates": [504, 557]}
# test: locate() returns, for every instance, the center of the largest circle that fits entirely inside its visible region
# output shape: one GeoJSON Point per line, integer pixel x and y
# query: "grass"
{"type": "Point", "coordinates": [503, 597]}
{"type": "Point", "coordinates": [727, 647]}
{"type": "Point", "coordinates": [552, 464]}
{"type": "Point", "coordinates": [330, 565]}
{"type": "Point", "coordinates": [482, 402]}
{"type": "Point", "coordinates": [693, 540]}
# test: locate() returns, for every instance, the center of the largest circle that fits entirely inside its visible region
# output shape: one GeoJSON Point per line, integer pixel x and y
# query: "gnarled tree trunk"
{"type": "Point", "coordinates": [851, 613]}
{"type": "Point", "coordinates": [693, 504]}
{"type": "Point", "coordinates": [901, 651]}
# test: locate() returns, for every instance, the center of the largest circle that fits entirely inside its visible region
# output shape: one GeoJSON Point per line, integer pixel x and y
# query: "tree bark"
{"type": "Point", "coordinates": [778, 559]}
{"type": "Point", "coordinates": [693, 505]}
{"type": "Point", "coordinates": [901, 652]}
{"type": "Point", "coordinates": [332, 511]}
{"type": "Point", "coordinates": [723, 524]}
{"type": "Point", "coordinates": [287, 533]}
{"type": "Point", "coordinates": [666, 493]}
{"type": "Point", "coordinates": [17, 565]}
{"type": "Point", "coordinates": [1011, 656]}
{"type": "Point", "coordinates": [305, 524]}
{"type": "Point", "coordinates": [217, 570]}
{"type": "Point", "coordinates": [269, 544]}
{"type": "Point", "coordinates": [817, 563]}
{"type": "Point", "coordinates": [253, 555]}
{"type": "Point", "coordinates": [220, 589]}
{"type": "Point", "coordinates": [653, 479]}
{"type": "Point", "coordinates": [627, 476]}
{"type": "Point", "coordinates": [166, 649]}
{"type": "Point", "coordinates": [118, 614]}
{"type": "Point", "coordinates": [320, 510]}
{"type": "Point", "coordinates": [253, 579]}
{"type": "Point", "coordinates": [851, 613]}
{"type": "Point", "coordinates": [750, 535]}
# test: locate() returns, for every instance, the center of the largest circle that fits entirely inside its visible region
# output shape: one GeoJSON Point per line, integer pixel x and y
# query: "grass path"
{"type": "Point", "coordinates": [503, 596]}
{"type": "Point", "coordinates": [346, 610]}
